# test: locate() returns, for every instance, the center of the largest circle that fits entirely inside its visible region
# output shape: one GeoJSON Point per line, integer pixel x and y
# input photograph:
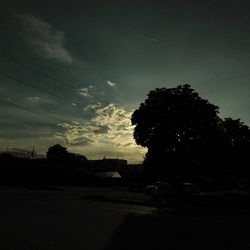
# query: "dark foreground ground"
{"type": "Point", "coordinates": [61, 219]}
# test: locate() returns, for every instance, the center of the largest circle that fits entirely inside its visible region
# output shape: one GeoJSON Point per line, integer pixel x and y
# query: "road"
{"type": "Point", "coordinates": [51, 219]}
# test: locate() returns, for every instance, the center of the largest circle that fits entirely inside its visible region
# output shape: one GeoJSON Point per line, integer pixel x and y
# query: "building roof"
{"type": "Point", "coordinates": [108, 174]}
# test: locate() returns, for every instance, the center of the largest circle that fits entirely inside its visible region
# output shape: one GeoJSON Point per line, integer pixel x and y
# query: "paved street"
{"type": "Point", "coordinates": [45, 219]}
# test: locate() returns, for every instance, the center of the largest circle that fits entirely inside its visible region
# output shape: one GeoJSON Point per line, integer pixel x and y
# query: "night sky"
{"type": "Point", "coordinates": [72, 72]}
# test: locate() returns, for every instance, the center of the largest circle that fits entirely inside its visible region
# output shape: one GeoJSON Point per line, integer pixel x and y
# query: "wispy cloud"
{"type": "Point", "coordinates": [90, 92]}
{"type": "Point", "coordinates": [37, 100]}
{"type": "Point", "coordinates": [33, 99]}
{"type": "Point", "coordinates": [45, 39]}
{"type": "Point", "coordinates": [152, 40]}
{"type": "Point", "coordinates": [111, 84]}
{"type": "Point", "coordinates": [84, 92]}
{"type": "Point", "coordinates": [93, 106]}
{"type": "Point", "coordinates": [109, 130]}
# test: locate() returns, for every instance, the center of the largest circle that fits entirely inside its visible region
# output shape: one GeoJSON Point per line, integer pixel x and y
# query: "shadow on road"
{"type": "Point", "coordinates": [176, 231]}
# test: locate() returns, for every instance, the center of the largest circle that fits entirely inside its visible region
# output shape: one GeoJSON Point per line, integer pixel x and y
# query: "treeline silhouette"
{"type": "Point", "coordinates": [63, 167]}
{"type": "Point", "coordinates": [26, 171]}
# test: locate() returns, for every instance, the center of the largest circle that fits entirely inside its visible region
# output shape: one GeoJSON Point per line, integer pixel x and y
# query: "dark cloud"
{"type": "Point", "coordinates": [45, 39]}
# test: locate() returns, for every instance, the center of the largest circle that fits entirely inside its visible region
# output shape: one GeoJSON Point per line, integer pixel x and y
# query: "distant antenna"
{"type": "Point", "coordinates": [33, 153]}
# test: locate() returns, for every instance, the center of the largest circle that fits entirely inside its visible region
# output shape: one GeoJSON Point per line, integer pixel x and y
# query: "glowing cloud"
{"type": "Point", "coordinates": [111, 84]}
{"type": "Point", "coordinates": [109, 130]}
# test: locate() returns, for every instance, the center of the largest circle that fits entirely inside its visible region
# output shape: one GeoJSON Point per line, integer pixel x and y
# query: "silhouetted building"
{"type": "Point", "coordinates": [108, 174]}
{"type": "Point", "coordinates": [105, 165]}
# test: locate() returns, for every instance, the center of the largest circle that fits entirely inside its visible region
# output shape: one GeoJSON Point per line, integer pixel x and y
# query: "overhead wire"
{"type": "Point", "coordinates": [6, 75]}
{"type": "Point", "coordinates": [35, 70]}
{"type": "Point", "coordinates": [36, 112]}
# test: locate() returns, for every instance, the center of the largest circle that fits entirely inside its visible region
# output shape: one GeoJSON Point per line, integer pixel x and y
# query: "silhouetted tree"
{"type": "Point", "coordinates": [179, 129]}
{"type": "Point", "coordinates": [57, 153]}
{"type": "Point", "coordinates": [77, 157]}
{"type": "Point", "coordinates": [79, 162]}
{"type": "Point", "coordinates": [237, 136]}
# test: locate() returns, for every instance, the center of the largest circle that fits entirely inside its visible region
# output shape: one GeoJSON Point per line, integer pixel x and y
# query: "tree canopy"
{"type": "Point", "coordinates": [57, 153]}
{"type": "Point", "coordinates": [60, 154]}
{"type": "Point", "coordinates": [173, 117]}
{"type": "Point", "coordinates": [184, 134]}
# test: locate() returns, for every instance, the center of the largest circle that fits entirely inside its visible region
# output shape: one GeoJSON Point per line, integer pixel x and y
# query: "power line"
{"type": "Point", "coordinates": [32, 69]}
{"type": "Point", "coordinates": [9, 103]}
{"type": "Point", "coordinates": [14, 105]}
{"type": "Point", "coordinates": [36, 88]}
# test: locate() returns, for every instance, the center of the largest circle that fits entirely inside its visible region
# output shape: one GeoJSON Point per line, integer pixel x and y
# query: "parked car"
{"type": "Point", "coordinates": [159, 192]}
{"type": "Point", "coordinates": [159, 188]}
{"type": "Point", "coordinates": [189, 188]}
